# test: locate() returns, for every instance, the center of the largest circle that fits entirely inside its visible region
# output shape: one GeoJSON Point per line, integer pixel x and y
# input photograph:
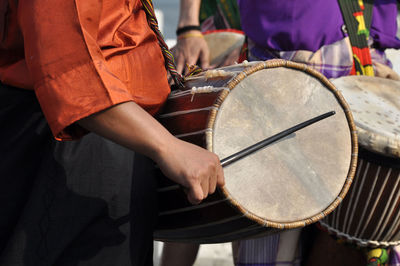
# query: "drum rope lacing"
{"type": "Point", "coordinates": [361, 242]}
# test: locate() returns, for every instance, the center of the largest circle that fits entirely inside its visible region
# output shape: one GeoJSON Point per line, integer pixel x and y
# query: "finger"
{"type": "Point", "coordinates": [212, 183]}
{"type": "Point", "coordinates": [220, 176]}
{"type": "Point", "coordinates": [192, 60]}
{"type": "Point", "coordinates": [205, 59]}
{"type": "Point", "coordinates": [205, 186]}
{"type": "Point", "coordinates": [195, 195]}
{"type": "Point", "coordinates": [180, 64]}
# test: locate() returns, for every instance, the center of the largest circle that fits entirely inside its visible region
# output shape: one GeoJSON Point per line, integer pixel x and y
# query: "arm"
{"type": "Point", "coordinates": [189, 13]}
{"type": "Point", "coordinates": [190, 50]}
{"type": "Point", "coordinates": [195, 168]}
{"type": "Point", "coordinates": [74, 86]}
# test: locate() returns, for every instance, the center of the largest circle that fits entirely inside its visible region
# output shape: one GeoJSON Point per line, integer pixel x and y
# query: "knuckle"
{"type": "Point", "coordinates": [198, 198]}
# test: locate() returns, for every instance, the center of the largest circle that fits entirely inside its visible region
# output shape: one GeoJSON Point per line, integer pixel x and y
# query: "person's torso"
{"type": "Point", "coordinates": [127, 43]}
{"type": "Point", "coordinates": [309, 24]}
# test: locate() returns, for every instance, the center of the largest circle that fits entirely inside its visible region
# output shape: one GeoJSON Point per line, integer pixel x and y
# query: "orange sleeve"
{"type": "Point", "coordinates": [70, 74]}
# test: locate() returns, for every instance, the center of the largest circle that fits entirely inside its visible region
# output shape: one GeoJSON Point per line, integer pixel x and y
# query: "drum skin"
{"type": "Point", "coordinates": [370, 215]}
{"type": "Point", "coordinates": [291, 183]}
{"type": "Point", "coordinates": [222, 43]}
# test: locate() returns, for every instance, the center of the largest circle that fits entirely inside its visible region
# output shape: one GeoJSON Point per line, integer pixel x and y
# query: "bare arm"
{"type": "Point", "coordinates": [189, 13]}
{"type": "Point", "coordinates": [195, 168]}
{"type": "Point", "coordinates": [190, 50]}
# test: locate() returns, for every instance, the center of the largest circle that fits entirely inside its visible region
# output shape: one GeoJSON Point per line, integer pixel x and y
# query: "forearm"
{"type": "Point", "coordinates": [189, 13]}
{"type": "Point", "coordinates": [129, 125]}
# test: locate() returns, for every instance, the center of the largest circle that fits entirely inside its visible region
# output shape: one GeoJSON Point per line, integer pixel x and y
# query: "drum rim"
{"type": "Point", "coordinates": [275, 63]}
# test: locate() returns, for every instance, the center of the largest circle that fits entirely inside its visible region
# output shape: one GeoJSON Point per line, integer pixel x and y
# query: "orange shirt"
{"type": "Point", "coordinates": [81, 57]}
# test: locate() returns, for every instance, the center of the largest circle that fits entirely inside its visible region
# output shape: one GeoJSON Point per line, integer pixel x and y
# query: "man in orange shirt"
{"type": "Point", "coordinates": [92, 66]}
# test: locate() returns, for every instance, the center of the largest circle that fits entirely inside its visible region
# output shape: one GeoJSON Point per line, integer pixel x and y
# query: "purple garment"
{"type": "Point", "coordinates": [288, 25]}
{"type": "Point", "coordinates": [384, 24]}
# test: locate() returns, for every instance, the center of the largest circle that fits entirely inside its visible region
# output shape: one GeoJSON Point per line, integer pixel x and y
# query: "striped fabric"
{"type": "Point", "coordinates": [334, 60]}
{"type": "Point", "coordinates": [278, 249]}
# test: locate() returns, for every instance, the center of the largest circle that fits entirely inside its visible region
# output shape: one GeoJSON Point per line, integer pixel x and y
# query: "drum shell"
{"type": "Point", "coordinates": [215, 219]}
{"type": "Point", "coordinates": [370, 214]}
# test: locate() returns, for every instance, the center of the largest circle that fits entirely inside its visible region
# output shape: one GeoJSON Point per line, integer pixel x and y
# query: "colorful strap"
{"type": "Point", "coordinates": [168, 57]}
{"type": "Point", "coordinates": [357, 15]}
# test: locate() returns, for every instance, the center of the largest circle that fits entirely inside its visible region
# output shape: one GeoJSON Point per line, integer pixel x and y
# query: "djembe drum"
{"type": "Point", "coordinates": [291, 183]}
{"type": "Point", "coordinates": [370, 214]}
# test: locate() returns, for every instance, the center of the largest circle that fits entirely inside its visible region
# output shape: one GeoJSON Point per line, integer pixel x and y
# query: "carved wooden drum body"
{"type": "Point", "coordinates": [291, 183]}
{"type": "Point", "coordinates": [370, 214]}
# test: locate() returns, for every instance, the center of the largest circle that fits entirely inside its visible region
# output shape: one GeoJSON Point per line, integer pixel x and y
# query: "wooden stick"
{"type": "Point", "coordinates": [259, 145]}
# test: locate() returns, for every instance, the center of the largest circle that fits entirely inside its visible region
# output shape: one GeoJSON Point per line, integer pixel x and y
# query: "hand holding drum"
{"type": "Point", "coordinates": [210, 49]}
{"type": "Point", "coordinates": [196, 169]}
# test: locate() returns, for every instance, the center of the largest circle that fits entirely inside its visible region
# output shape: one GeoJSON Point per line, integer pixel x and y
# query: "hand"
{"type": "Point", "coordinates": [190, 51]}
{"type": "Point", "coordinates": [196, 169]}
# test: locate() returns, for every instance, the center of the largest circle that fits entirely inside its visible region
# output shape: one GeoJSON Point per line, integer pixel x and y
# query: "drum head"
{"type": "Point", "coordinates": [297, 177]}
{"type": "Point", "coordinates": [375, 104]}
{"type": "Point", "coordinates": [221, 43]}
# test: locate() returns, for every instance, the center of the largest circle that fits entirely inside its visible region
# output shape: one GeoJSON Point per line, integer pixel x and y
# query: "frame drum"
{"type": "Point", "coordinates": [291, 183]}
{"type": "Point", "coordinates": [370, 214]}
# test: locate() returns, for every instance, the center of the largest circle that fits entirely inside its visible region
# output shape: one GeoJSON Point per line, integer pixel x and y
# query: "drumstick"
{"type": "Point", "coordinates": [259, 145]}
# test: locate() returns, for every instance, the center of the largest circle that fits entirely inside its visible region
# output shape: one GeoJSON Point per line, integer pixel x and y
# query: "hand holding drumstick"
{"type": "Point", "coordinates": [195, 168]}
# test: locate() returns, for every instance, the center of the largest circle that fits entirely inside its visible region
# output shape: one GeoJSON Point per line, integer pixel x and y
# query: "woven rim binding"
{"type": "Point", "coordinates": [275, 63]}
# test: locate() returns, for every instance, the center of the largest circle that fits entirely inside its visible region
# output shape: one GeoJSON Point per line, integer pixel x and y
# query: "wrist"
{"type": "Point", "coordinates": [187, 29]}
{"type": "Point", "coordinates": [188, 21]}
{"type": "Point", "coordinates": [163, 148]}
{"type": "Point", "coordinates": [190, 34]}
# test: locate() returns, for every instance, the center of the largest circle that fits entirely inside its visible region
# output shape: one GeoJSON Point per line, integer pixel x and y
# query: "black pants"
{"type": "Point", "coordinates": [86, 202]}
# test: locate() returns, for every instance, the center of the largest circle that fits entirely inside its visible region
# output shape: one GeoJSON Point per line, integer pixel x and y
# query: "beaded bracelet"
{"type": "Point", "coordinates": [184, 29]}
